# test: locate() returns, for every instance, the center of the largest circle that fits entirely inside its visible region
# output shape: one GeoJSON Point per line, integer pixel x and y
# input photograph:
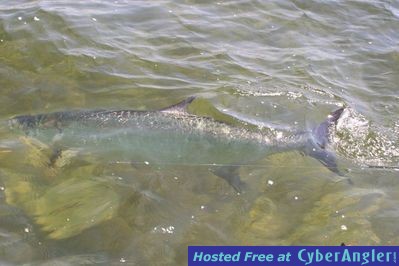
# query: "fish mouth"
{"type": "Point", "coordinates": [13, 123]}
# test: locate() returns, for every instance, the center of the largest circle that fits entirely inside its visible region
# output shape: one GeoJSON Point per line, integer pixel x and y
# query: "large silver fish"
{"type": "Point", "coordinates": [174, 136]}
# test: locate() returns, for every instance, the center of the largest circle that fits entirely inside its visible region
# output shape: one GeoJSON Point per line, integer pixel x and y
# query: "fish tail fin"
{"type": "Point", "coordinates": [319, 139]}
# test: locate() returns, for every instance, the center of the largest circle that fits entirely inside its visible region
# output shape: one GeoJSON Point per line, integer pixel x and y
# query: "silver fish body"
{"type": "Point", "coordinates": [172, 136]}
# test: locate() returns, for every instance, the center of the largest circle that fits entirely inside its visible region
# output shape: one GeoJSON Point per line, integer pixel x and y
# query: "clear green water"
{"type": "Point", "coordinates": [285, 64]}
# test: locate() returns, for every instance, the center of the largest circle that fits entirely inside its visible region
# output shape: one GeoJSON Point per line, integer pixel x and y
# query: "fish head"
{"type": "Point", "coordinates": [22, 122]}
{"type": "Point", "coordinates": [13, 123]}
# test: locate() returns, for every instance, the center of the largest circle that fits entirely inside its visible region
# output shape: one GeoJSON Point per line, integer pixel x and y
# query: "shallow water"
{"type": "Point", "coordinates": [279, 64]}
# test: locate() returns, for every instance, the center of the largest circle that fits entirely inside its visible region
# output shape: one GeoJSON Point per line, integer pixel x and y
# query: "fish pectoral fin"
{"type": "Point", "coordinates": [62, 157]}
{"type": "Point", "coordinates": [230, 174]}
{"type": "Point", "coordinates": [180, 107]}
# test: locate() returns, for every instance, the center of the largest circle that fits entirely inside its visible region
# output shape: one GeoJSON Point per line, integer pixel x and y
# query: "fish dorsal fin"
{"type": "Point", "coordinates": [180, 107]}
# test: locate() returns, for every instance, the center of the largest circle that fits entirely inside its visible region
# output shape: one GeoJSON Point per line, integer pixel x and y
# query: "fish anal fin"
{"type": "Point", "coordinates": [230, 174]}
{"type": "Point", "coordinates": [180, 107]}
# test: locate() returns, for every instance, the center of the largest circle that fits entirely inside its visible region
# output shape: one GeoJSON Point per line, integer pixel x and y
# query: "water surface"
{"type": "Point", "coordinates": [279, 64]}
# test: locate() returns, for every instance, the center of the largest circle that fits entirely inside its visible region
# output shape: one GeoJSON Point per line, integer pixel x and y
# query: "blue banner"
{"type": "Point", "coordinates": [293, 255]}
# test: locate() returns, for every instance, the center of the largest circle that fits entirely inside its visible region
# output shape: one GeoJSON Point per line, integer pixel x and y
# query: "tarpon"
{"type": "Point", "coordinates": [174, 136]}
